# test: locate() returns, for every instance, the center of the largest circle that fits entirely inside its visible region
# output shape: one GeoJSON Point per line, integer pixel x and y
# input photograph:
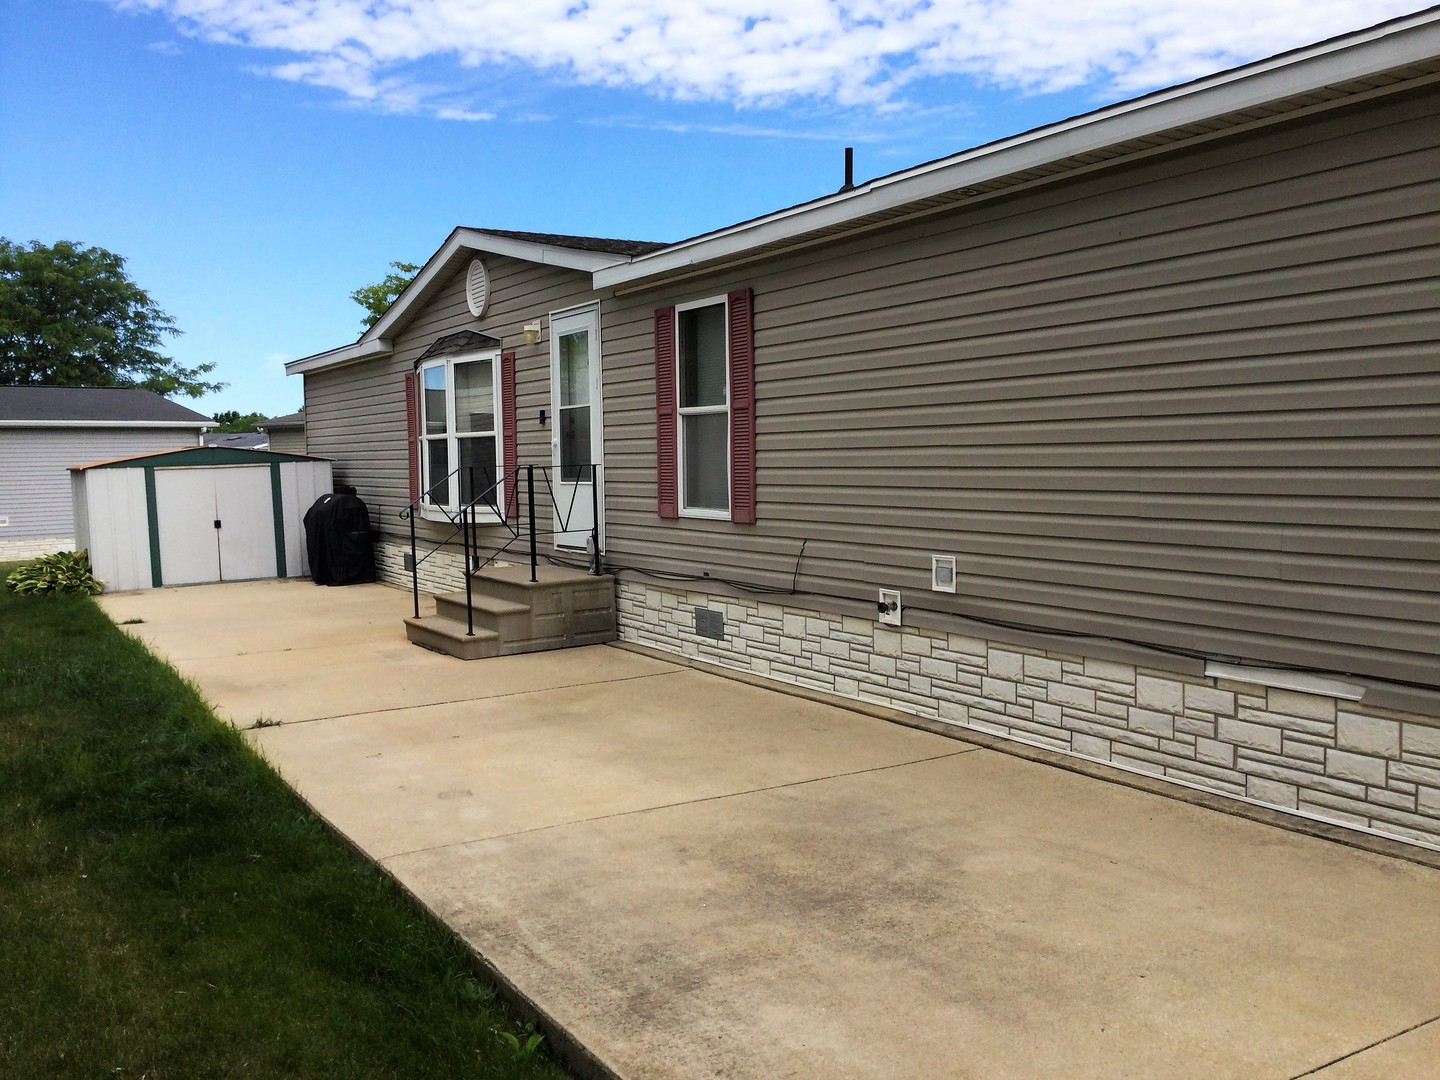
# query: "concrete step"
{"type": "Point", "coordinates": [512, 614]}
{"type": "Point", "coordinates": [449, 637]}
{"type": "Point", "coordinates": [491, 612]}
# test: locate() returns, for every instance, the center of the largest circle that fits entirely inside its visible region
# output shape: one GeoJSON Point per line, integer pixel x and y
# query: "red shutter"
{"type": "Point", "coordinates": [667, 483]}
{"type": "Point", "coordinates": [742, 407]}
{"type": "Point", "coordinates": [412, 434]}
{"type": "Point", "coordinates": [508, 433]}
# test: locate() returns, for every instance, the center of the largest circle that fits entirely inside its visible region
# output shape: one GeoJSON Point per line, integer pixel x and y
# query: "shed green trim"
{"type": "Point", "coordinates": [153, 517]}
{"type": "Point", "coordinates": [277, 501]}
{"type": "Point", "coordinates": [195, 456]}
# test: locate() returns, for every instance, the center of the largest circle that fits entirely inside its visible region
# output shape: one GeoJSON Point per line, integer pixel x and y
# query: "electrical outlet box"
{"type": "Point", "coordinates": [889, 607]}
{"type": "Point", "coordinates": [942, 573]}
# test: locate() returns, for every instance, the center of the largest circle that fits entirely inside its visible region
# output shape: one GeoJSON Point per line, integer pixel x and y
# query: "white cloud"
{"type": "Point", "coordinates": [749, 52]}
{"type": "Point", "coordinates": [165, 48]}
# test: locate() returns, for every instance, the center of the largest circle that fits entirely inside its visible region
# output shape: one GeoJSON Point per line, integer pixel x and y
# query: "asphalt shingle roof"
{"type": "Point", "coordinates": [579, 243]}
{"type": "Point", "coordinates": [120, 404]}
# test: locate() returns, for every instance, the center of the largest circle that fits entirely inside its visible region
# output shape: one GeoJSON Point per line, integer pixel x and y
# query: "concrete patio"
{"type": "Point", "coordinates": [695, 877]}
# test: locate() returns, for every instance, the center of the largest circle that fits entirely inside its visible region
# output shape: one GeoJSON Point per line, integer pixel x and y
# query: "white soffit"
{"type": "Point", "coordinates": [1355, 56]}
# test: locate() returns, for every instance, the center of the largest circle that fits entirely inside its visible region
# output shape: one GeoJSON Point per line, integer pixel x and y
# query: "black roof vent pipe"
{"type": "Point", "coordinates": [849, 169]}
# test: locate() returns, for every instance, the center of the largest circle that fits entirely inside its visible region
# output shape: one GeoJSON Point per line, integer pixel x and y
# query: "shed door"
{"type": "Point", "coordinates": [193, 548]}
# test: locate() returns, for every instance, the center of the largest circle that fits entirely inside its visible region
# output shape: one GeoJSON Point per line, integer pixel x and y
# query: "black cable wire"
{"type": "Point", "coordinates": [1028, 628]}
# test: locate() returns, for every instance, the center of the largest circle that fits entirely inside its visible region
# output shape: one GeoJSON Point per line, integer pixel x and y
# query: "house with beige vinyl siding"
{"type": "Point", "coordinates": [1120, 437]}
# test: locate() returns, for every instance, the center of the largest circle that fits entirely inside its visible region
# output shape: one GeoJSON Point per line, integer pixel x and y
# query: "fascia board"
{"type": "Point", "coordinates": [569, 258]}
{"type": "Point", "coordinates": [194, 424]}
{"type": "Point", "coordinates": [463, 240]}
{"type": "Point", "coordinates": [1370, 52]}
{"type": "Point", "coordinates": [346, 354]}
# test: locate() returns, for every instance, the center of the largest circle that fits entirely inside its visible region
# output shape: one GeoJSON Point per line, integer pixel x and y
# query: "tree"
{"type": "Point", "coordinates": [230, 420]}
{"type": "Point", "coordinates": [376, 298]}
{"type": "Point", "coordinates": [71, 316]}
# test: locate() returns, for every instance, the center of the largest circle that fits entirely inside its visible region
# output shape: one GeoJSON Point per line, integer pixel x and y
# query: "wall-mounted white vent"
{"type": "Point", "coordinates": [477, 287]}
{"type": "Point", "coordinates": [4, 521]}
{"type": "Point", "coordinates": [942, 573]}
{"type": "Point", "coordinates": [889, 607]}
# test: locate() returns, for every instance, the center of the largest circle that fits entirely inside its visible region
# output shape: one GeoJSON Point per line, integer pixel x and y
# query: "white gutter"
{"type": "Point", "coordinates": [107, 423]}
{"type": "Point", "coordinates": [345, 354]}
{"type": "Point", "coordinates": [1368, 52]}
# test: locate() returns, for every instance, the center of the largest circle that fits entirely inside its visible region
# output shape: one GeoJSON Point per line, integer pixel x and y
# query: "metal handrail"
{"type": "Point", "coordinates": [466, 524]}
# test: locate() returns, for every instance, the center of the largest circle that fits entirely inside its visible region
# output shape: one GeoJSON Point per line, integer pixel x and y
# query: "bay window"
{"type": "Point", "coordinates": [460, 451]}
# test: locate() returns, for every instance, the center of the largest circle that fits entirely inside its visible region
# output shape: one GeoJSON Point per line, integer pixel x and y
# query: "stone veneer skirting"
{"type": "Point", "coordinates": [21, 550]}
{"type": "Point", "coordinates": [1336, 761]}
{"type": "Point", "coordinates": [444, 571]}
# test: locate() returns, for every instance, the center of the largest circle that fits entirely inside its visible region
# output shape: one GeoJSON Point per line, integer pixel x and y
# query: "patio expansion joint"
{"type": "Point", "coordinates": [682, 802]}
{"type": "Point", "coordinates": [1371, 1046]}
{"type": "Point", "coordinates": [473, 698]}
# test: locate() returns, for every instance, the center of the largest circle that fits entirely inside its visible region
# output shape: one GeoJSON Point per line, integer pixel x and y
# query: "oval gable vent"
{"type": "Point", "coordinates": [477, 287]}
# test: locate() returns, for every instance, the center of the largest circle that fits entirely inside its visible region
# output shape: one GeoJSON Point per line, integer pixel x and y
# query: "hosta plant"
{"type": "Point", "coordinates": [63, 572]}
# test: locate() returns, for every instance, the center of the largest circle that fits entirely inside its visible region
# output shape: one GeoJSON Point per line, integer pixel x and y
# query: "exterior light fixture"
{"type": "Point", "coordinates": [532, 333]}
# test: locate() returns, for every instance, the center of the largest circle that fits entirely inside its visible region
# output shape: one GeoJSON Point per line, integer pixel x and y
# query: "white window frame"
{"type": "Point", "coordinates": [681, 412]}
{"type": "Point", "coordinates": [443, 512]}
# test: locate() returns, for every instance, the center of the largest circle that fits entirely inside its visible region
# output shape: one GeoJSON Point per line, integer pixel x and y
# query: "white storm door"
{"type": "Point", "coordinates": [577, 436]}
{"type": "Point", "coordinates": [185, 520]}
{"type": "Point", "coordinates": [245, 508]}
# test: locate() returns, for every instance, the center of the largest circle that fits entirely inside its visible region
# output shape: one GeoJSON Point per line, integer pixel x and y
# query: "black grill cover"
{"type": "Point", "coordinates": [337, 539]}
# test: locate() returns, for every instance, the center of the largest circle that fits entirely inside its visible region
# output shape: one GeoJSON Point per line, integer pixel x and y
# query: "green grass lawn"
{"type": "Point", "coordinates": [169, 909]}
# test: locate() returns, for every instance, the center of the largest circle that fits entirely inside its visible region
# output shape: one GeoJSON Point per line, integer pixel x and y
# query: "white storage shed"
{"type": "Point", "coordinates": [202, 514]}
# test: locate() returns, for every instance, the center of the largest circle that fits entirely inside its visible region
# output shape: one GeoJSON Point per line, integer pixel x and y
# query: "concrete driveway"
{"type": "Point", "coordinates": [696, 877]}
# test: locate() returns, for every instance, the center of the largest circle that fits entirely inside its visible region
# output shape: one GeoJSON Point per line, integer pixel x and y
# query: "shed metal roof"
{"type": "Point", "coordinates": [195, 456]}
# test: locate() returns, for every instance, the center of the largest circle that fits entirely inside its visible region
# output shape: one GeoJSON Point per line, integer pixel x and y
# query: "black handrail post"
{"type": "Point", "coordinates": [465, 543]}
{"type": "Point", "coordinates": [530, 496]}
{"type": "Point", "coordinates": [595, 517]}
{"type": "Point", "coordinates": [414, 566]}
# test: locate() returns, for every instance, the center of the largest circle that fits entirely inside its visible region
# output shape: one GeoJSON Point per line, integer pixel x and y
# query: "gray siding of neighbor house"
{"type": "Point", "coordinates": [355, 415]}
{"type": "Point", "coordinates": [288, 440]}
{"type": "Point", "coordinates": [1191, 402]}
{"type": "Point", "coordinates": [35, 483]}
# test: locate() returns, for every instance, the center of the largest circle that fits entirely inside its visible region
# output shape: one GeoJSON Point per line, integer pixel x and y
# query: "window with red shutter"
{"type": "Point", "coordinates": [742, 406]}
{"type": "Point", "coordinates": [509, 435]}
{"type": "Point", "coordinates": [412, 433]}
{"type": "Point", "coordinates": [666, 473]}
{"type": "Point", "coordinates": [705, 408]}
{"type": "Point", "coordinates": [465, 430]}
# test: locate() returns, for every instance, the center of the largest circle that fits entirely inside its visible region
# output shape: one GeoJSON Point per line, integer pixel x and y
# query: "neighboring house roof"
{"type": "Point", "coordinates": [1381, 59]}
{"type": "Point", "coordinates": [287, 422]}
{"type": "Point", "coordinates": [93, 406]}
{"type": "Point", "coordinates": [237, 440]}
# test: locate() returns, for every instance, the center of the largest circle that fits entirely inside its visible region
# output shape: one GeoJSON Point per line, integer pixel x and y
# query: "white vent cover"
{"type": "Point", "coordinates": [942, 573]}
{"type": "Point", "coordinates": [477, 287]}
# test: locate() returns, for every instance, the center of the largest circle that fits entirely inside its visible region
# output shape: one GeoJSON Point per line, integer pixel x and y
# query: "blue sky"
{"type": "Point", "coordinates": [256, 160]}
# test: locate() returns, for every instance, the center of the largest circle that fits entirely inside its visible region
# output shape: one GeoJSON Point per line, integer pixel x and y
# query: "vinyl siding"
{"type": "Point", "coordinates": [1192, 403]}
{"type": "Point", "coordinates": [34, 481]}
{"type": "Point", "coordinates": [355, 415]}
{"type": "Point", "coordinates": [288, 441]}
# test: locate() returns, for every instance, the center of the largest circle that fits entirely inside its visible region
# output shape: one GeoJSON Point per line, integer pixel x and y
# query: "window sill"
{"type": "Point", "coordinates": [483, 516]}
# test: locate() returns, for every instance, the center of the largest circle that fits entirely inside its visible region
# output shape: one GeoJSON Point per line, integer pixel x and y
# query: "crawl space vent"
{"type": "Point", "coordinates": [710, 624]}
{"type": "Point", "coordinates": [477, 287]}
